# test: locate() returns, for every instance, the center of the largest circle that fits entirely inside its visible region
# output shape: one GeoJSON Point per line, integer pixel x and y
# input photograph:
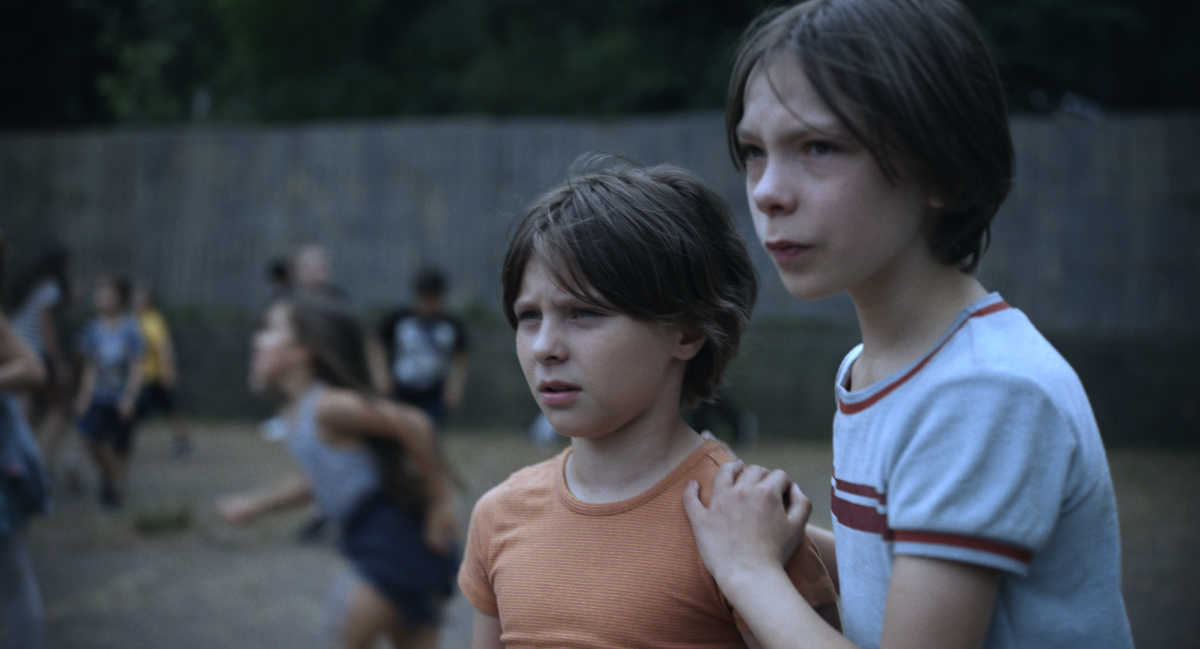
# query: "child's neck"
{"type": "Point", "coordinates": [626, 463]}
{"type": "Point", "coordinates": [905, 313]}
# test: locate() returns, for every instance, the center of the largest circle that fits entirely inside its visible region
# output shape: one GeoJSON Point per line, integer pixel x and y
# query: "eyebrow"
{"type": "Point", "coordinates": [806, 129]}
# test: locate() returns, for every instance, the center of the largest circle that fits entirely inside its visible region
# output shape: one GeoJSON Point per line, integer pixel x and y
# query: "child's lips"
{"type": "Point", "coordinates": [784, 251]}
{"type": "Point", "coordinates": [558, 393]}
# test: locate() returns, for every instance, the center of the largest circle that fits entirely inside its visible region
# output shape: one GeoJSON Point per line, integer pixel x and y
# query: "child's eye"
{"type": "Point", "coordinates": [528, 314]}
{"type": "Point", "coordinates": [819, 148]}
{"type": "Point", "coordinates": [749, 152]}
{"type": "Point", "coordinates": [584, 312]}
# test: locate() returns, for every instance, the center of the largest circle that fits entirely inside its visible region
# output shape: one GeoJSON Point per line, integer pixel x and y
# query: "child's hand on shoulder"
{"type": "Point", "coordinates": [754, 520]}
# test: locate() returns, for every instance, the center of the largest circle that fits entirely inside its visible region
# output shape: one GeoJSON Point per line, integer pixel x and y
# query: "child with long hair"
{"type": "Point", "coordinates": [371, 466]}
{"type": "Point", "coordinates": [628, 290]}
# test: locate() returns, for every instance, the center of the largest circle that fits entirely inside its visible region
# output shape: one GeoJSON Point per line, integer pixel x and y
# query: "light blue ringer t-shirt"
{"type": "Point", "coordinates": [984, 451]}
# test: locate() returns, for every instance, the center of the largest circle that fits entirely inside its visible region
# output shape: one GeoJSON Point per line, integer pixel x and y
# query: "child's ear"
{"type": "Point", "coordinates": [691, 341]}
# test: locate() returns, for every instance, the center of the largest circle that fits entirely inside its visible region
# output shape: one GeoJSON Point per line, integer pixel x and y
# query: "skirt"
{"type": "Point", "coordinates": [386, 546]}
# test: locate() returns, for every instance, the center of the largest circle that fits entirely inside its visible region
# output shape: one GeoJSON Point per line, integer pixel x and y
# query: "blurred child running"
{"type": "Point", "coordinates": [112, 348]}
{"type": "Point", "coordinates": [370, 465]}
{"type": "Point", "coordinates": [629, 291]}
{"type": "Point", "coordinates": [159, 371]}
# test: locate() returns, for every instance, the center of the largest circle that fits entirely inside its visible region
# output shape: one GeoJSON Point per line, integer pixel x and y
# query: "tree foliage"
{"type": "Point", "coordinates": [73, 62]}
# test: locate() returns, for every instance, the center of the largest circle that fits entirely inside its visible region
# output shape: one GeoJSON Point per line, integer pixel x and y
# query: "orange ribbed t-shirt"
{"type": "Point", "coordinates": [560, 572]}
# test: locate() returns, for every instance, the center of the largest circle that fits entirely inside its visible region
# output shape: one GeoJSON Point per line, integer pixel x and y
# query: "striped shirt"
{"type": "Point", "coordinates": [27, 320]}
{"type": "Point", "coordinates": [984, 451]}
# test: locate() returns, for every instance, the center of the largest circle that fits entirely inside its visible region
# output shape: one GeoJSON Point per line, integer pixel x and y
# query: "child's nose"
{"type": "Point", "coordinates": [773, 194]}
{"type": "Point", "coordinates": [549, 345]}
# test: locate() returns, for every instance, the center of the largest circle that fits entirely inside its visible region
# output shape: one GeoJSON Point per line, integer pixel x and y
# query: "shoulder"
{"type": "Point", "coordinates": [1000, 362]}
{"type": "Point", "coordinates": [702, 466]}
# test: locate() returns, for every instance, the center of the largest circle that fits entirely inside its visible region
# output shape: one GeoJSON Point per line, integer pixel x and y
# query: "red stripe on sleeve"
{"type": "Point", "coordinates": [860, 490]}
{"type": "Point", "coordinates": [968, 542]}
{"type": "Point", "coordinates": [859, 517]}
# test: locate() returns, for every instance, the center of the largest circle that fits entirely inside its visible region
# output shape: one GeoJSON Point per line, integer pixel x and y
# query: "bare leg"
{"type": "Point", "coordinates": [109, 466]}
{"type": "Point", "coordinates": [52, 430]}
{"type": "Point", "coordinates": [369, 616]}
{"type": "Point", "coordinates": [181, 439]}
{"type": "Point", "coordinates": [423, 637]}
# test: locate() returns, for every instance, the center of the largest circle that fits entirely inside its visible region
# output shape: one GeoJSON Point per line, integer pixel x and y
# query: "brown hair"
{"type": "Point", "coordinates": [908, 79]}
{"type": "Point", "coordinates": [332, 335]}
{"type": "Point", "coordinates": [653, 243]}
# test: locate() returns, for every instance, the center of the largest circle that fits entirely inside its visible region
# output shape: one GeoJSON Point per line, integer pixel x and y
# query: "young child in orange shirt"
{"type": "Point", "coordinates": [629, 290]}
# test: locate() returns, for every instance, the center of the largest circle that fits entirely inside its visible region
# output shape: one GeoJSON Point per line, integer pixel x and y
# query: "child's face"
{"type": "Point", "coordinates": [593, 372]}
{"type": "Point", "coordinates": [275, 349]}
{"type": "Point", "coordinates": [827, 216]}
{"type": "Point", "coordinates": [105, 298]}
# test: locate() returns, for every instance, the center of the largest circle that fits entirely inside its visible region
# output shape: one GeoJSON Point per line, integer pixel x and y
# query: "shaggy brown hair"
{"type": "Point", "coordinates": [652, 243]}
{"type": "Point", "coordinates": [910, 80]}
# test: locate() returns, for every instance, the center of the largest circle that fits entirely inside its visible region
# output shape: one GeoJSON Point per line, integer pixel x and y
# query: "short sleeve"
{"type": "Point", "coordinates": [811, 578]}
{"type": "Point", "coordinates": [474, 574]}
{"type": "Point", "coordinates": [981, 476]}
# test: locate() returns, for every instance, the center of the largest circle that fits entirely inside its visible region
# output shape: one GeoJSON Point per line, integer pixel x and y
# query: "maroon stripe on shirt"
{"type": "Point", "coordinates": [859, 517]}
{"type": "Point", "coordinates": [860, 490]}
{"type": "Point", "coordinates": [859, 406]}
{"type": "Point", "coordinates": [968, 542]}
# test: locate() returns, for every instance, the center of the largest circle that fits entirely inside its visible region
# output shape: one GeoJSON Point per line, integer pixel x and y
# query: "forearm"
{"type": "Point", "coordinates": [20, 367]}
{"type": "Point", "coordinates": [776, 614]}
{"type": "Point", "coordinates": [167, 361]}
{"type": "Point", "coordinates": [23, 371]}
{"type": "Point", "coordinates": [133, 381]}
{"type": "Point", "coordinates": [86, 385]}
{"type": "Point", "coordinates": [456, 380]}
{"type": "Point", "coordinates": [377, 366]}
{"type": "Point", "coordinates": [287, 495]}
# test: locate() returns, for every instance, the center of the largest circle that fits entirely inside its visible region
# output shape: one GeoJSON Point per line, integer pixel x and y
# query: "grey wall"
{"type": "Point", "coordinates": [1098, 239]}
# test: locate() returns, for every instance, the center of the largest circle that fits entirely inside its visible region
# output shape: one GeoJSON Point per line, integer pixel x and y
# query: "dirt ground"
{"type": "Point", "coordinates": [201, 584]}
